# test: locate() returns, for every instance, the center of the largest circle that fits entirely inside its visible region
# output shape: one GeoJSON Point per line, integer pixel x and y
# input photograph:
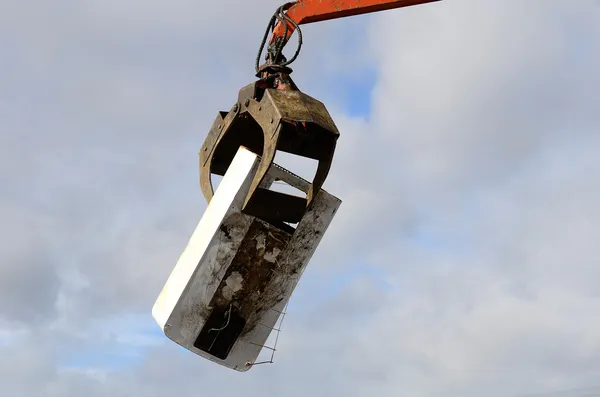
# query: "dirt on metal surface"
{"type": "Point", "coordinates": [252, 270]}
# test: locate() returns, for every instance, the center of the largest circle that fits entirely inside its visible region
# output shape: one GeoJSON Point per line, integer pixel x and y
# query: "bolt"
{"type": "Point", "coordinates": [271, 120]}
{"type": "Point", "coordinates": [220, 126]}
{"type": "Point", "coordinates": [235, 107]}
{"type": "Point", "coordinates": [247, 102]}
{"type": "Point", "coordinates": [259, 108]}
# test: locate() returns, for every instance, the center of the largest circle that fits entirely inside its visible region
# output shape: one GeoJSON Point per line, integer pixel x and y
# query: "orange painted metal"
{"type": "Point", "coordinates": [308, 11]}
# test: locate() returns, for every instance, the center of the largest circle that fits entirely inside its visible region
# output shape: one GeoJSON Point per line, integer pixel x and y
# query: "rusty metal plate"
{"type": "Point", "coordinates": [300, 107]}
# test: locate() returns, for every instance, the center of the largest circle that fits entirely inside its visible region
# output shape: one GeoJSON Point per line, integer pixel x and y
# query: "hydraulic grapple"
{"type": "Point", "coordinates": [242, 263]}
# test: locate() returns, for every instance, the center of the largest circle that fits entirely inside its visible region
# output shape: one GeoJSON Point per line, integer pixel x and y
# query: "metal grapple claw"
{"type": "Point", "coordinates": [265, 120]}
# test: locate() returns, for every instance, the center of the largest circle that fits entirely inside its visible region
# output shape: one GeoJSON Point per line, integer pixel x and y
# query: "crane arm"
{"type": "Point", "coordinates": [291, 15]}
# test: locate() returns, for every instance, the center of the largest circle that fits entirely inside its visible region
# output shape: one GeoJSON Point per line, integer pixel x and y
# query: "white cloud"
{"type": "Point", "coordinates": [472, 186]}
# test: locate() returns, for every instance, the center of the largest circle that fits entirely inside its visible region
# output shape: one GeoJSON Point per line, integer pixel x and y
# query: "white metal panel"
{"type": "Point", "coordinates": [196, 285]}
{"type": "Point", "coordinates": [238, 176]}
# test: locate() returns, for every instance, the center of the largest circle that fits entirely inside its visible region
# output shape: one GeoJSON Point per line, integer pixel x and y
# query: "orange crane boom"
{"type": "Point", "coordinates": [291, 15]}
{"type": "Point", "coordinates": [308, 11]}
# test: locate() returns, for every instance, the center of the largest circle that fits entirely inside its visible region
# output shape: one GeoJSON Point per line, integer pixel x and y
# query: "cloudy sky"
{"type": "Point", "coordinates": [463, 261]}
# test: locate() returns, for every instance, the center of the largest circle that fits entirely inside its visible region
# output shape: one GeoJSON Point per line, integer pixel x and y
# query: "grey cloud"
{"type": "Point", "coordinates": [511, 89]}
{"type": "Point", "coordinates": [483, 135]}
{"type": "Point", "coordinates": [105, 108]}
{"type": "Point", "coordinates": [507, 314]}
{"type": "Point", "coordinates": [28, 279]}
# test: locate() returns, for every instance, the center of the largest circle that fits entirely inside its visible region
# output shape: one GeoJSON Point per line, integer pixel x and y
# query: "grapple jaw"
{"type": "Point", "coordinates": [265, 120]}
